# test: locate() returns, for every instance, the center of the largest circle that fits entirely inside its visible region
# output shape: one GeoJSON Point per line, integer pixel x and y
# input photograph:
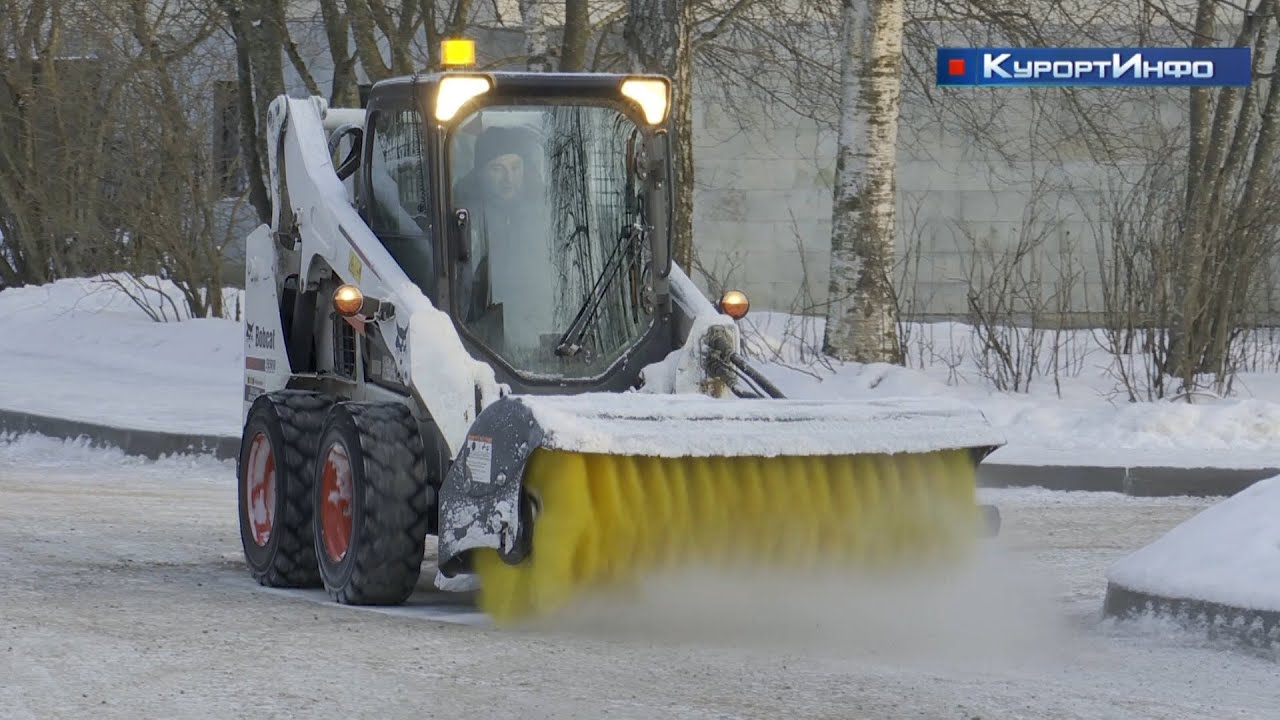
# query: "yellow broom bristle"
{"type": "Point", "coordinates": [607, 520]}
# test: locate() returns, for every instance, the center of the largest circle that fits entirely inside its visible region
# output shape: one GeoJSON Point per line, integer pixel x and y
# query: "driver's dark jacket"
{"type": "Point", "coordinates": [493, 224]}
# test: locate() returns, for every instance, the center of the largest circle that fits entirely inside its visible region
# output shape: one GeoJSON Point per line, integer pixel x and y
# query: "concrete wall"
{"type": "Point", "coordinates": [764, 194]}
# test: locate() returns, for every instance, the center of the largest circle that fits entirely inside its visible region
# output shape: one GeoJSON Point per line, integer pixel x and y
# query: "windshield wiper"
{"type": "Point", "coordinates": [570, 342]}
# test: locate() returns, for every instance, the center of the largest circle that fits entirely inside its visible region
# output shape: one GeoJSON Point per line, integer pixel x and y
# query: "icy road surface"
{"type": "Point", "coordinates": [122, 595]}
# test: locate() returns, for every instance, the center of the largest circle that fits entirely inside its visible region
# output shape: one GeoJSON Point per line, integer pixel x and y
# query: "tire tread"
{"type": "Point", "coordinates": [387, 559]}
{"type": "Point", "coordinates": [300, 414]}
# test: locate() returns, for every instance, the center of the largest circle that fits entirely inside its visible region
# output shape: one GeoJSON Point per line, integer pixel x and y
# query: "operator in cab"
{"type": "Point", "coordinates": [507, 284]}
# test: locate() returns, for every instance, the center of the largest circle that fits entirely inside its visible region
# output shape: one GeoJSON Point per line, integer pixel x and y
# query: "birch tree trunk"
{"type": "Point", "coordinates": [659, 38]}
{"type": "Point", "coordinates": [535, 35]}
{"type": "Point", "coordinates": [682, 125]}
{"type": "Point", "coordinates": [577, 30]}
{"type": "Point", "coordinates": [861, 313]}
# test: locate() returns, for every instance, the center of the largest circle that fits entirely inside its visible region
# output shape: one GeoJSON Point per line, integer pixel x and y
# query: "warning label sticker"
{"type": "Point", "coordinates": [479, 458]}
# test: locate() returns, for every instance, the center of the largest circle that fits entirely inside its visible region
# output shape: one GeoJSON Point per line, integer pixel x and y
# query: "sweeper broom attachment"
{"type": "Point", "coordinates": [598, 491]}
{"type": "Point", "coordinates": [464, 321]}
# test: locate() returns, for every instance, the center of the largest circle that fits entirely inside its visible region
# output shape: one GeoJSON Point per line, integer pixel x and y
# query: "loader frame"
{"type": "Point", "coordinates": [320, 238]}
{"type": "Point", "coordinates": [406, 366]}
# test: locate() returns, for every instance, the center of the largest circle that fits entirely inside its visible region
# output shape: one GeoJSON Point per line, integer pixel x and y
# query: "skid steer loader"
{"type": "Point", "coordinates": [464, 322]}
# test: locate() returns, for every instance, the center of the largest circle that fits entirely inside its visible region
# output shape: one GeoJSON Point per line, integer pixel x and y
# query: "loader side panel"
{"type": "Point", "coordinates": [266, 362]}
{"type": "Point", "coordinates": [427, 352]}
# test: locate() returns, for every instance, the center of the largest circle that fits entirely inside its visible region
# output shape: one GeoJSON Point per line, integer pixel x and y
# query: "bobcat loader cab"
{"type": "Point", "coordinates": [471, 327]}
{"type": "Point", "coordinates": [533, 209]}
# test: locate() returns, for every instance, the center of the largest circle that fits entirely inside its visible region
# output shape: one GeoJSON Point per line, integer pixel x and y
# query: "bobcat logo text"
{"type": "Point", "coordinates": [259, 337]}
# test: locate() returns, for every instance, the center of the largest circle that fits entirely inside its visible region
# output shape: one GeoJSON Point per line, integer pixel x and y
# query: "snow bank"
{"type": "Point", "coordinates": [83, 349]}
{"type": "Point", "coordinates": [37, 453]}
{"type": "Point", "coordinates": [1229, 553]}
{"type": "Point", "coordinates": [1088, 423]}
{"type": "Point", "coordinates": [697, 425]}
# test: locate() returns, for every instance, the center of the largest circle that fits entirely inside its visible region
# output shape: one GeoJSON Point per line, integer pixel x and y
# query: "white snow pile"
{"type": "Point", "coordinates": [84, 349]}
{"type": "Point", "coordinates": [36, 454]}
{"type": "Point", "coordinates": [1088, 422]}
{"type": "Point", "coordinates": [701, 426]}
{"type": "Point", "coordinates": [1228, 553]}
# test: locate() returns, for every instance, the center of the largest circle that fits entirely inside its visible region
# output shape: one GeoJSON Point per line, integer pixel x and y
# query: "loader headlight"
{"type": "Point", "coordinates": [454, 91]}
{"type": "Point", "coordinates": [348, 300]}
{"type": "Point", "coordinates": [735, 304]}
{"type": "Point", "coordinates": [652, 96]}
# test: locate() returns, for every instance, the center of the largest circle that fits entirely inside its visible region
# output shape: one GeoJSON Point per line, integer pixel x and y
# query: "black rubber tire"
{"type": "Point", "coordinates": [291, 421]}
{"type": "Point", "coordinates": [389, 506]}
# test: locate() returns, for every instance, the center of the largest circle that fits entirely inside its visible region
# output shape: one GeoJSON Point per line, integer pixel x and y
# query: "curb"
{"type": "Point", "coordinates": [1259, 629]}
{"type": "Point", "coordinates": [1138, 481]}
{"type": "Point", "coordinates": [152, 444]}
{"type": "Point", "coordinates": [1135, 481]}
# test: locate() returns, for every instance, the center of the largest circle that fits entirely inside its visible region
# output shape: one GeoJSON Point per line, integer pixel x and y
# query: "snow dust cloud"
{"type": "Point", "coordinates": [991, 610]}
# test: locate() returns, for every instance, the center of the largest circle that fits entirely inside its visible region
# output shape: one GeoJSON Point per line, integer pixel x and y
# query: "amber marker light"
{"type": "Point", "coordinates": [348, 300]}
{"type": "Point", "coordinates": [734, 303]}
{"type": "Point", "coordinates": [457, 52]}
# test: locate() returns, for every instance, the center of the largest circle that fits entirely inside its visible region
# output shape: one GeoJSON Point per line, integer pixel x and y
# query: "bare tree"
{"type": "Point", "coordinates": [174, 228]}
{"type": "Point", "coordinates": [1193, 256]}
{"type": "Point", "coordinates": [374, 19]}
{"type": "Point", "coordinates": [1226, 230]}
{"type": "Point", "coordinates": [343, 91]}
{"type": "Point", "coordinates": [59, 119]}
{"type": "Point", "coordinates": [105, 161]}
{"type": "Point", "coordinates": [356, 33]}
{"type": "Point", "coordinates": [258, 41]}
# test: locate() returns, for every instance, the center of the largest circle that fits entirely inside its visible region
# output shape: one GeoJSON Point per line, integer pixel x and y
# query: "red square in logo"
{"type": "Point", "coordinates": [955, 66]}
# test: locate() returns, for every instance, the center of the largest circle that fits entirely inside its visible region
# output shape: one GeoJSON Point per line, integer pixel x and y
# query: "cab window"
{"type": "Point", "coordinates": [399, 197]}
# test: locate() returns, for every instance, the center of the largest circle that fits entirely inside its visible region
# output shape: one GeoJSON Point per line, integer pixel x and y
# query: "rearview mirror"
{"type": "Point", "coordinates": [660, 204]}
{"type": "Point", "coordinates": [458, 232]}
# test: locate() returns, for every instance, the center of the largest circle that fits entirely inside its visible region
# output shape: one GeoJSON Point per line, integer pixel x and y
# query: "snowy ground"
{"type": "Point", "coordinates": [124, 591]}
{"type": "Point", "coordinates": [125, 595]}
{"type": "Point", "coordinates": [82, 349]}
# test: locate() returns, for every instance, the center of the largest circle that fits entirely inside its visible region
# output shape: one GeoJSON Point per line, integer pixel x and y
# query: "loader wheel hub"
{"type": "Point", "coordinates": [335, 502]}
{"type": "Point", "coordinates": [260, 487]}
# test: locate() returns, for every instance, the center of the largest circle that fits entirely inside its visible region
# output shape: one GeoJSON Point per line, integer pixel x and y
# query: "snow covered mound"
{"type": "Point", "coordinates": [1229, 554]}
{"type": "Point", "coordinates": [84, 349]}
{"type": "Point", "coordinates": [1087, 424]}
{"type": "Point", "coordinates": [700, 426]}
